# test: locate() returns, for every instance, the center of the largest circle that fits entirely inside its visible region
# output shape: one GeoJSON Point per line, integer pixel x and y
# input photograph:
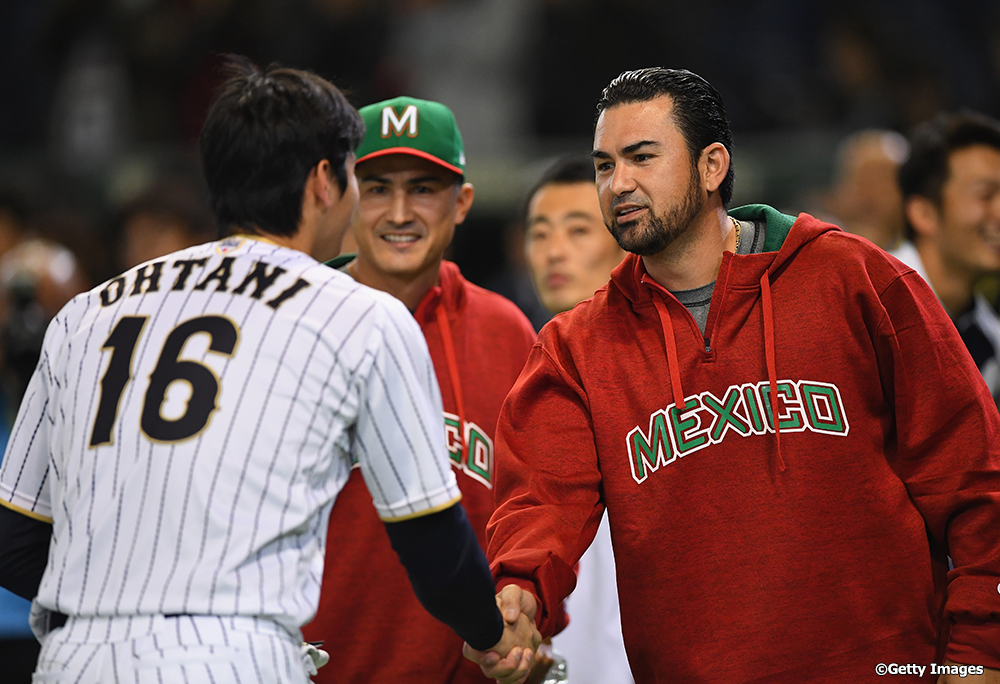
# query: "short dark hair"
{"type": "Point", "coordinates": [265, 132]}
{"type": "Point", "coordinates": [925, 171]}
{"type": "Point", "coordinates": [698, 110]}
{"type": "Point", "coordinates": [564, 171]}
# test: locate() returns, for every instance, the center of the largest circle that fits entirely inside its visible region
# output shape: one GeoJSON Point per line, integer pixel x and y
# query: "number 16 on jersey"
{"type": "Point", "coordinates": [203, 383]}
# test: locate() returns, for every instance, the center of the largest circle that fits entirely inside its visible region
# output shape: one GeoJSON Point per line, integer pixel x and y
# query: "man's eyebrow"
{"type": "Point", "coordinates": [580, 214]}
{"type": "Point", "coordinates": [539, 219]}
{"type": "Point", "coordinates": [412, 181]}
{"type": "Point", "coordinates": [426, 179]}
{"type": "Point", "coordinates": [629, 149]}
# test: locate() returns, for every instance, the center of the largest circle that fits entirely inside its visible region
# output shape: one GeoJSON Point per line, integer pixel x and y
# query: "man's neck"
{"type": "Point", "coordinates": [409, 289]}
{"type": "Point", "coordinates": [953, 286]}
{"type": "Point", "coordinates": [694, 258]}
{"type": "Point", "coordinates": [302, 240]}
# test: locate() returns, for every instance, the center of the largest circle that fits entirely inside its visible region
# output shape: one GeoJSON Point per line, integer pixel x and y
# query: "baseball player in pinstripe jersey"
{"type": "Point", "coordinates": [190, 423]}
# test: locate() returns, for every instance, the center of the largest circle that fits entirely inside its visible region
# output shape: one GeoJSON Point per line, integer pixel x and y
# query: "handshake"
{"type": "Point", "coordinates": [509, 661]}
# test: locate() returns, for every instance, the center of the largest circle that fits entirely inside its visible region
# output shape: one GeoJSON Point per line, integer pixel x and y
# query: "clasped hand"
{"type": "Point", "coordinates": [509, 661]}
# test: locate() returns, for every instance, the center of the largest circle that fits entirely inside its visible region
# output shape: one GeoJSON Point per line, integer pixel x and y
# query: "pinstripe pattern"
{"type": "Point", "coordinates": [199, 650]}
{"type": "Point", "coordinates": [228, 520]}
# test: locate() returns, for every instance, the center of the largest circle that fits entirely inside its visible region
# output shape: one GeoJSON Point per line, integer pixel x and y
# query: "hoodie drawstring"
{"type": "Point", "coordinates": [449, 355]}
{"type": "Point", "coordinates": [772, 375]}
{"type": "Point", "coordinates": [671, 347]}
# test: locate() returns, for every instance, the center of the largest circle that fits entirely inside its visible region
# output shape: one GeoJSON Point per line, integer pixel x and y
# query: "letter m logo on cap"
{"type": "Point", "coordinates": [407, 122]}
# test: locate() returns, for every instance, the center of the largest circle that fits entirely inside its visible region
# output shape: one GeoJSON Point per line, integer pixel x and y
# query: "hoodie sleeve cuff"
{"type": "Point", "coordinates": [975, 644]}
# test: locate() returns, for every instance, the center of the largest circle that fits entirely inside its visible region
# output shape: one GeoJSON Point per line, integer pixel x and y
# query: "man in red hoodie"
{"type": "Point", "coordinates": [808, 548]}
{"type": "Point", "coordinates": [413, 194]}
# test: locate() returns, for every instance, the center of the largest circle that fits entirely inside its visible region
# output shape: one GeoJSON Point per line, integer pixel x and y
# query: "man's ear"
{"type": "Point", "coordinates": [923, 215]}
{"type": "Point", "coordinates": [713, 166]}
{"type": "Point", "coordinates": [323, 184]}
{"type": "Point", "coordinates": [463, 203]}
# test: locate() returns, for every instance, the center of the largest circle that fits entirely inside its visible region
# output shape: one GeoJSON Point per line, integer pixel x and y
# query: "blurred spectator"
{"type": "Point", "coordinates": [951, 193]}
{"type": "Point", "coordinates": [569, 249]}
{"type": "Point", "coordinates": [865, 198]}
{"type": "Point", "coordinates": [173, 214]}
{"type": "Point", "coordinates": [36, 278]}
{"type": "Point", "coordinates": [571, 254]}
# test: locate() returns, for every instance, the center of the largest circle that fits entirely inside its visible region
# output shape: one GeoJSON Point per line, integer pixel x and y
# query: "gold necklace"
{"type": "Point", "coordinates": [736, 225]}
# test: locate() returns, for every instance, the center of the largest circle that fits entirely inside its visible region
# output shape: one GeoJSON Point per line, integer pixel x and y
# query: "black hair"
{"type": "Point", "coordinates": [925, 171]}
{"type": "Point", "coordinates": [265, 132]}
{"type": "Point", "coordinates": [565, 171]}
{"type": "Point", "coordinates": [698, 110]}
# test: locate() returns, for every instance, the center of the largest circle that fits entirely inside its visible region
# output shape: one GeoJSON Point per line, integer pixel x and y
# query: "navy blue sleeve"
{"type": "Point", "coordinates": [449, 573]}
{"type": "Point", "coordinates": [24, 551]}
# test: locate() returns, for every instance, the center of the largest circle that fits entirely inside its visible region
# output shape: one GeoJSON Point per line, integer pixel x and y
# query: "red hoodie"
{"type": "Point", "coordinates": [743, 555]}
{"type": "Point", "coordinates": [372, 624]}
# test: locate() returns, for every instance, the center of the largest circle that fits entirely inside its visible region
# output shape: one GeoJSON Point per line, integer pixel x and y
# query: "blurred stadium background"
{"type": "Point", "coordinates": [101, 102]}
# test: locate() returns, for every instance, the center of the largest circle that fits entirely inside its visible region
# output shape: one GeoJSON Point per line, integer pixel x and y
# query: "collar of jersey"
{"type": "Point", "coordinates": [258, 238]}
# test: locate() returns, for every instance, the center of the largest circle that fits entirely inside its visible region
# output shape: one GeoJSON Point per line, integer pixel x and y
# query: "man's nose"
{"type": "Point", "coordinates": [557, 247]}
{"type": "Point", "coordinates": [622, 180]}
{"type": "Point", "coordinates": [399, 209]}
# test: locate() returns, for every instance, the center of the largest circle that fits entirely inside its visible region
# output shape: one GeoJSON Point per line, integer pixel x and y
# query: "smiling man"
{"type": "Point", "coordinates": [951, 185]}
{"type": "Point", "coordinates": [413, 195]}
{"type": "Point", "coordinates": [781, 422]}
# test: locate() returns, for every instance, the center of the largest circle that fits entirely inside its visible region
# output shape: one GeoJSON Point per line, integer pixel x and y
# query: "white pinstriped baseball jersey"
{"type": "Point", "coordinates": [191, 422]}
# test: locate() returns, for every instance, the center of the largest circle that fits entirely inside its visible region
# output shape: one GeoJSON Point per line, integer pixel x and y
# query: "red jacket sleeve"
{"type": "Point", "coordinates": [948, 455]}
{"type": "Point", "coordinates": [548, 486]}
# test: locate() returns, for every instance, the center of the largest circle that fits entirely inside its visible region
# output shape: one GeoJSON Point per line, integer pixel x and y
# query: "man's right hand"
{"type": "Point", "coordinates": [509, 661]}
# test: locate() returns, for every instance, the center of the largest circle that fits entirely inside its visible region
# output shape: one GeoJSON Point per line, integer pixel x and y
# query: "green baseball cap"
{"type": "Point", "coordinates": [406, 125]}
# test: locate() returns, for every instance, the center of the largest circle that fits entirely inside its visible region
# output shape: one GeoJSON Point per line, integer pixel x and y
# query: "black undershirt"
{"type": "Point", "coordinates": [449, 574]}
{"type": "Point", "coordinates": [25, 544]}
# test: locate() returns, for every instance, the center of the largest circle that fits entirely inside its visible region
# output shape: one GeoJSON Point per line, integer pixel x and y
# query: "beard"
{"type": "Point", "coordinates": [653, 233]}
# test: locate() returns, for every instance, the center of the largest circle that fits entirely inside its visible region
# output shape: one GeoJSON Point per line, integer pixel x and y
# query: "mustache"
{"type": "Point", "coordinates": [627, 199]}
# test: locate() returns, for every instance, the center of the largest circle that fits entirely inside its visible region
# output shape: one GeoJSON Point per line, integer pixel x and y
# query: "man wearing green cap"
{"type": "Point", "coordinates": [411, 175]}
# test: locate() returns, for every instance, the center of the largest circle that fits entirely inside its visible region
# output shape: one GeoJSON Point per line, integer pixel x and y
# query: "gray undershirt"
{"type": "Point", "coordinates": [699, 299]}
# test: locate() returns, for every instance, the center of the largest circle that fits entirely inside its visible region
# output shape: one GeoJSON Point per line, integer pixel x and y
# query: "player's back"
{"type": "Point", "coordinates": [202, 411]}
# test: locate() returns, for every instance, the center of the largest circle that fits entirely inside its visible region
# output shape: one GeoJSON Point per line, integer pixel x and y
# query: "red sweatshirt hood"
{"type": "Point", "coordinates": [448, 294]}
{"type": "Point", "coordinates": [784, 237]}
{"type": "Point", "coordinates": [447, 297]}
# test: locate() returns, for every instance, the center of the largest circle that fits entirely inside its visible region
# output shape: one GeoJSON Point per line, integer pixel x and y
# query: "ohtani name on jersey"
{"type": "Point", "coordinates": [742, 411]}
{"type": "Point", "coordinates": [476, 460]}
{"type": "Point", "coordinates": [256, 283]}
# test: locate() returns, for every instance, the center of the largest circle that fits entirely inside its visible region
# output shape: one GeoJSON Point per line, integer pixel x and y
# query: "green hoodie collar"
{"type": "Point", "coordinates": [778, 224]}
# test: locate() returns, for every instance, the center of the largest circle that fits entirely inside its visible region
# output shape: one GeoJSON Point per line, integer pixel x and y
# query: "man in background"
{"type": "Point", "coordinates": [413, 195]}
{"type": "Point", "coordinates": [571, 255]}
{"type": "Point", "coordinates": [951, 190]}
{"type": "Point", "coordinates": [568, 248]}
{"type": "Point", "coordinates": [778, 418]}
{"type": "Point", "coordinates": [865, 198]}
{"type": "Point", "coordinates": [170, 215]}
